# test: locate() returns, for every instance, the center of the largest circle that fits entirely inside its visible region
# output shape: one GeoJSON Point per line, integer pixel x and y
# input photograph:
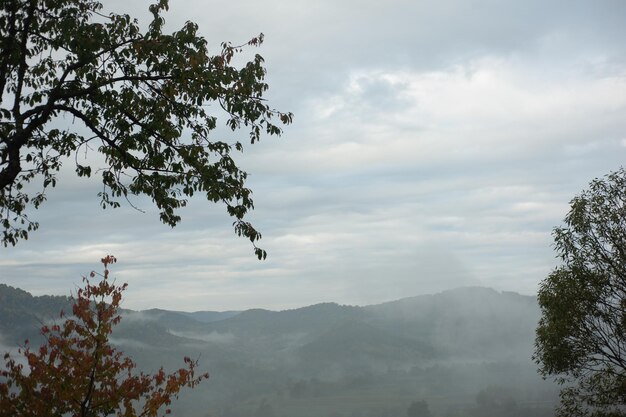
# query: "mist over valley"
{"type": "Point", "coordinates": [464, 352]}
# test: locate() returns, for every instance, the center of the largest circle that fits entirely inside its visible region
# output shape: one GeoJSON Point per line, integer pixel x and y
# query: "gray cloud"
{"type": "Point", "coordinates": [435, 145]}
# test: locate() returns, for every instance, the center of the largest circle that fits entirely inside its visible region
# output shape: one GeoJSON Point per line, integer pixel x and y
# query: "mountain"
{"type": "Point", "coordinates": [21, 314]}
{"type": "Point", "coordinates": [472, 321]}
{"type": "Point", "coordinates": [209, 316]}
{"type": "Point", "coordinates": [446, 348]}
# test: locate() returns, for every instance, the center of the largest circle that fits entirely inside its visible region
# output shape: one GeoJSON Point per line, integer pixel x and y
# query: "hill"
{"type": "Point", "coordinates": [21, 314]}
{"type": "Point", "coordinates": [448, 348]}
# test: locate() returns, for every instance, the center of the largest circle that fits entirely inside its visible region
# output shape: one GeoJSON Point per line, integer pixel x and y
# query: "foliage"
{"type": "Point", "coordinates": [581, 337]}
{"type": "Point", "coordinates": [79, 373]}
{"type": "Point", "coordinates": [73, 79]}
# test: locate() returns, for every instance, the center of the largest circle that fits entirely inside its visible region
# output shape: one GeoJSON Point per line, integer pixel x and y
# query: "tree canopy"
{"type": "Point", "coordinates": [581, 337]}
{"type": "Point", "coordinates": [75, 79]}
{"type": "Point", "coordinates": [78, 372]}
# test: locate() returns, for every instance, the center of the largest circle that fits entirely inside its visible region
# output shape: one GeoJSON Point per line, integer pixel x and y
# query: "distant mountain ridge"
{"type": "Point", "coordinates": [472, 323]}
{"type": "Point", "coordinates": [454, 342]}
{"type": "Point", "coordinates": [15, 297]}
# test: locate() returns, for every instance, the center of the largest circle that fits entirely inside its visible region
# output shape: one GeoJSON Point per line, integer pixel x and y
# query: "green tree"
{"type": "Point", "coordinates": [581, 337]}
{"type": "Point", "coordinates": [77, 372]}
{"type": "Point", "coordinates": [73, 79]}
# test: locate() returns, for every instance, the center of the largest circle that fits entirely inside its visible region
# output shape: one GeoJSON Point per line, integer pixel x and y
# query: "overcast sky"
{"type": "Point", "coordinates": [435, 145]}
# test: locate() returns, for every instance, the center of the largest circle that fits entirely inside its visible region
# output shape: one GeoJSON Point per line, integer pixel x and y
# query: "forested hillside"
{"type": "Point", "coordinates": [464, 353]}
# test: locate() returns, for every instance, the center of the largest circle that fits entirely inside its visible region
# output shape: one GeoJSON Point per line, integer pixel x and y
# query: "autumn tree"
{"type": "Point", "coordinates": [78, 373]}
{"type": "Point", "coordinates": [581, 337]}
{"type": "Point", "coordinates": [74, 79]}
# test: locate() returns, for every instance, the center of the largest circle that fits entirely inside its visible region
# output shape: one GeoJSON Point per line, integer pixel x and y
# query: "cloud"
{"type": "Point", "coordinates": [131, 343]}
{"type": "Point", "coordinates": [212, 337]}
{"type": "Point", "coordinates": [434, 145]}
{"type": "Point", "coordinates": [4, 348]}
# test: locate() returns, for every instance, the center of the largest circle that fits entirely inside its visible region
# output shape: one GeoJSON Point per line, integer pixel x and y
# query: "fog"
{"type": "Point", "coordinates": [463, 352]}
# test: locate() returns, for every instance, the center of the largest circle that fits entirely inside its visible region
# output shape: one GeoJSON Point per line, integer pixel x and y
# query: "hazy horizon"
{"type": "Point", "coordinates": [321, 302]}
